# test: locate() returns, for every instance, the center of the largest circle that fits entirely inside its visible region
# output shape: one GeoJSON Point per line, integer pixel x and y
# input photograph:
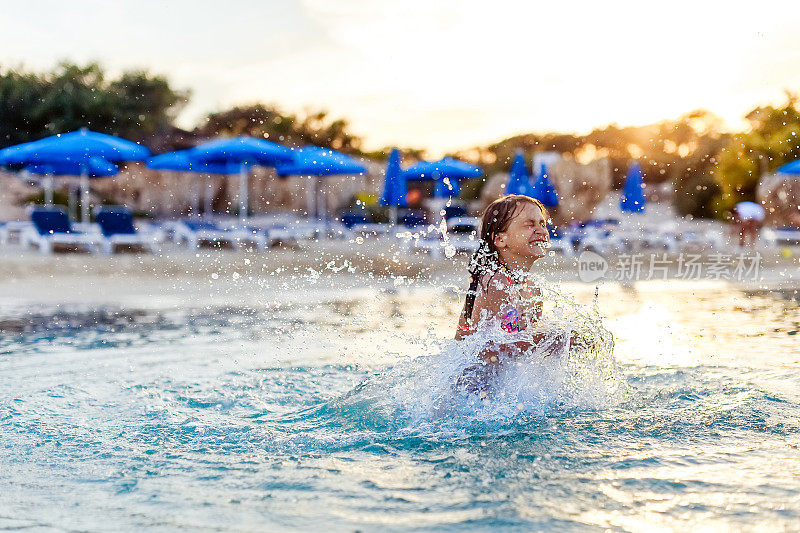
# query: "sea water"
{"type": "Point", "coordinates": [305, 406]}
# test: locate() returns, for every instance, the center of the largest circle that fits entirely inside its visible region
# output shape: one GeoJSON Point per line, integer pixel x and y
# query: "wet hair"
{"type": "Point", "coordinates": [495, 219]}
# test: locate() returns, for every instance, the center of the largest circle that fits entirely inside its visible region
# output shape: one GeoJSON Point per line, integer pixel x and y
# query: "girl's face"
{"type": "Point", "coordinates": [526, 238]}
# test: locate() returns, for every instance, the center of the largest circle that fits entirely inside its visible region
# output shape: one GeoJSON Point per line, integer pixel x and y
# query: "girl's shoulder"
{"type": "Point", "coordinates": [494, 287]}
{"type": "Point", "coordinates": [494, 280]}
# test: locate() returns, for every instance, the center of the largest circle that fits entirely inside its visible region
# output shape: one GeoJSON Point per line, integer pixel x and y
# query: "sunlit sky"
{"type": "Point", "coordinates": [439, 74]}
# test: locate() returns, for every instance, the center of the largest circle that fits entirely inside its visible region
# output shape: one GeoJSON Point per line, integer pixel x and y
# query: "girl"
{"type": "Point", "coordinates": [513, 237]}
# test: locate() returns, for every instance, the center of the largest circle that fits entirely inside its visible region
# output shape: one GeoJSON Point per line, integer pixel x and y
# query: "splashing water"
{"type": "Point", "coordinates": [424, 394]}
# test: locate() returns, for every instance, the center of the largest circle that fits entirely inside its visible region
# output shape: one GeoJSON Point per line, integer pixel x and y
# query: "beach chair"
{"type": "Point", "coordinates": [351, 219]}
{"type": "Point", "coordinates": [782, 236]}
{"type": "Point", "coordinates": [165, 228]}
{"type": "Point", "coordinates": [360, 224]}
{"type": "Point", "coordinates": [462, 236]}
{"type": "Point", "coordinates": [600, 241]}
{"type": "Point", "coordinates": [578, 232]}
{"type": "Point", "coordinates": [371, 229]}
{"type": "Point", "coordinates": [294, 229]}
{"type": "Point", "coordinates": [262, 238]}
{"type": "Point", "coordinates": [463, 233]}
{"type": "Point", "coordinates": [51, 227]}
{"type": "Point", "coordinates": [12, 230]}
{"type": "Point", "coordinates": [692, 240]}
{"type": "Point", "coordinates": [116, 226]}
{"type": "Point", "coordinates": [412, 219]}
{"type": "Point", "coordinates": [454, 211]}
{"type": "Point", "coordinates": [158, 231]}
{"type": "Point", "coordinates": [658, 240]}
{"type": "Point", "coordinates": [193, 233]}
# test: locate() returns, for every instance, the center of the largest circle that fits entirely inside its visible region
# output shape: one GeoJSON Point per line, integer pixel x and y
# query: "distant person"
{"type": "Point", "coordinates": [748, 218]}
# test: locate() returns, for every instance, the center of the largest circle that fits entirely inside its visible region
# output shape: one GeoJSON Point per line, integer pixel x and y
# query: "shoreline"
{"type": "Point", "coordinates": [177, 275]}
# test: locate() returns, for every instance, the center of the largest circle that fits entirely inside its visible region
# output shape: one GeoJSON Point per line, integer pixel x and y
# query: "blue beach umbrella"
{"type": "Point", "coordinates": [243, 152]}
{"type": "Point", "coordinates": [315, 162]}
{"type": "Point", "coordinates": [519, 181]}
{"type": "Point", "coordinates": [395, 188]}
{"type": "Point", "coordinates": [95, 167]}
{"type": "Point", "coordinates": [632, 199]}
{"type": "Point", "coordinates": [394, 183]}
{"type": "Point", "coordinates": [76, 147]}
{"type": "Point", "coordinates": [543, 189]}
{"type": "Point", "coordinates": [447, 171]}
{"type": "Point", "coordinates": [792, 169]}
{"type": "Point", "coordinates": [443, 168]}
{"type": "Point", "coordinates": [183, 161]}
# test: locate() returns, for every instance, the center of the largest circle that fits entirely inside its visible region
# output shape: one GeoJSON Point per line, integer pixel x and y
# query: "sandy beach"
{"type": "Point", "coordinates": [27, 276]}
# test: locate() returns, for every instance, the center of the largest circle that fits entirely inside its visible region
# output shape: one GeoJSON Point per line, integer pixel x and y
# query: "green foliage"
{"type": "Point", "coordinates": [471, 188]}
{"type": "Point", "coordinates": [407, 154]}
{"type": "Point", "coordinates": [59, 198]}
{"type": "Point", "coordinates": [132, 106]}
{"type": "Point", "coordinates": [772, 140]}
{"type": "Point", "coordinates": [697, 196]}
{"type": "Point", "coordinates": [259, 120]}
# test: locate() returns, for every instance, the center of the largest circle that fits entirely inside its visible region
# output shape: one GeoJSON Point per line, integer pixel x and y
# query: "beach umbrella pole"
{"type": "Point", "coordinates": [208, 208]}
{"type": "Point", "coordinates": [393, 215]}
{"type": "Point", "coordinates": [324, 207]}
{"type": "Point", "coordinates": [311, 197]}
{"type": "Point", "coordinates": [196, 198]}
{"type": "Point", "coordinates": [72, 206]}
{"type": "Point", "coordinates": [84, 195]}
{"type": "Point", "coordinates": [243, 192]}
{"type": "Point", "coordinates": [48, 190]}
{"type": "Point", "coordinates": [320, 195]}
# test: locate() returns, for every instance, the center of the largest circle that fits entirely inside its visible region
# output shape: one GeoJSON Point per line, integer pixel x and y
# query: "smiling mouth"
{"type": "Point", "coordinates": [541, 242]}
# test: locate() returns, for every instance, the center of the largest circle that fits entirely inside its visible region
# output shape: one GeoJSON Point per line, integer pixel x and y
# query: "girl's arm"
{"type": "Point", "coordinates": [491, 353]}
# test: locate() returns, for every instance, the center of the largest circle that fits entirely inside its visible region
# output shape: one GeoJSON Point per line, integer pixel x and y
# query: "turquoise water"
{"type": "Point", "coordinates": [325, 412]}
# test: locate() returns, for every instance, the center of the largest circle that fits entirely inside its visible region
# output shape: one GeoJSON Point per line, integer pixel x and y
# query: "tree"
{"type": "Point", "coordinates": [145, 103]}
{"type": "Point", "coordinates": [70, 97]}
{"type": "Point", "coordinates": [772, 139]}
{"type": "Point", "coordinates": [259, 120]}
{"type": "Point", "coordinates": [20, 97]}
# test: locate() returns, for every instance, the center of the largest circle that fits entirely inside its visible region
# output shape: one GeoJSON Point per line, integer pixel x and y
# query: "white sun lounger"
{"type": "Point", "coordinates": [782, 236]}
{"type": "Point", "coordinates": [261, 238]}
{"type": "Point", "coordinates": [601, 242]}
{"type": "Point", "coordinates": [116, 226]}
{"type": "Point", "coordinates": [13, 229]}
{"type": "Point", "coordinates": [193, 233]}
{"type": "Point", "coordinates": [51, 227]}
